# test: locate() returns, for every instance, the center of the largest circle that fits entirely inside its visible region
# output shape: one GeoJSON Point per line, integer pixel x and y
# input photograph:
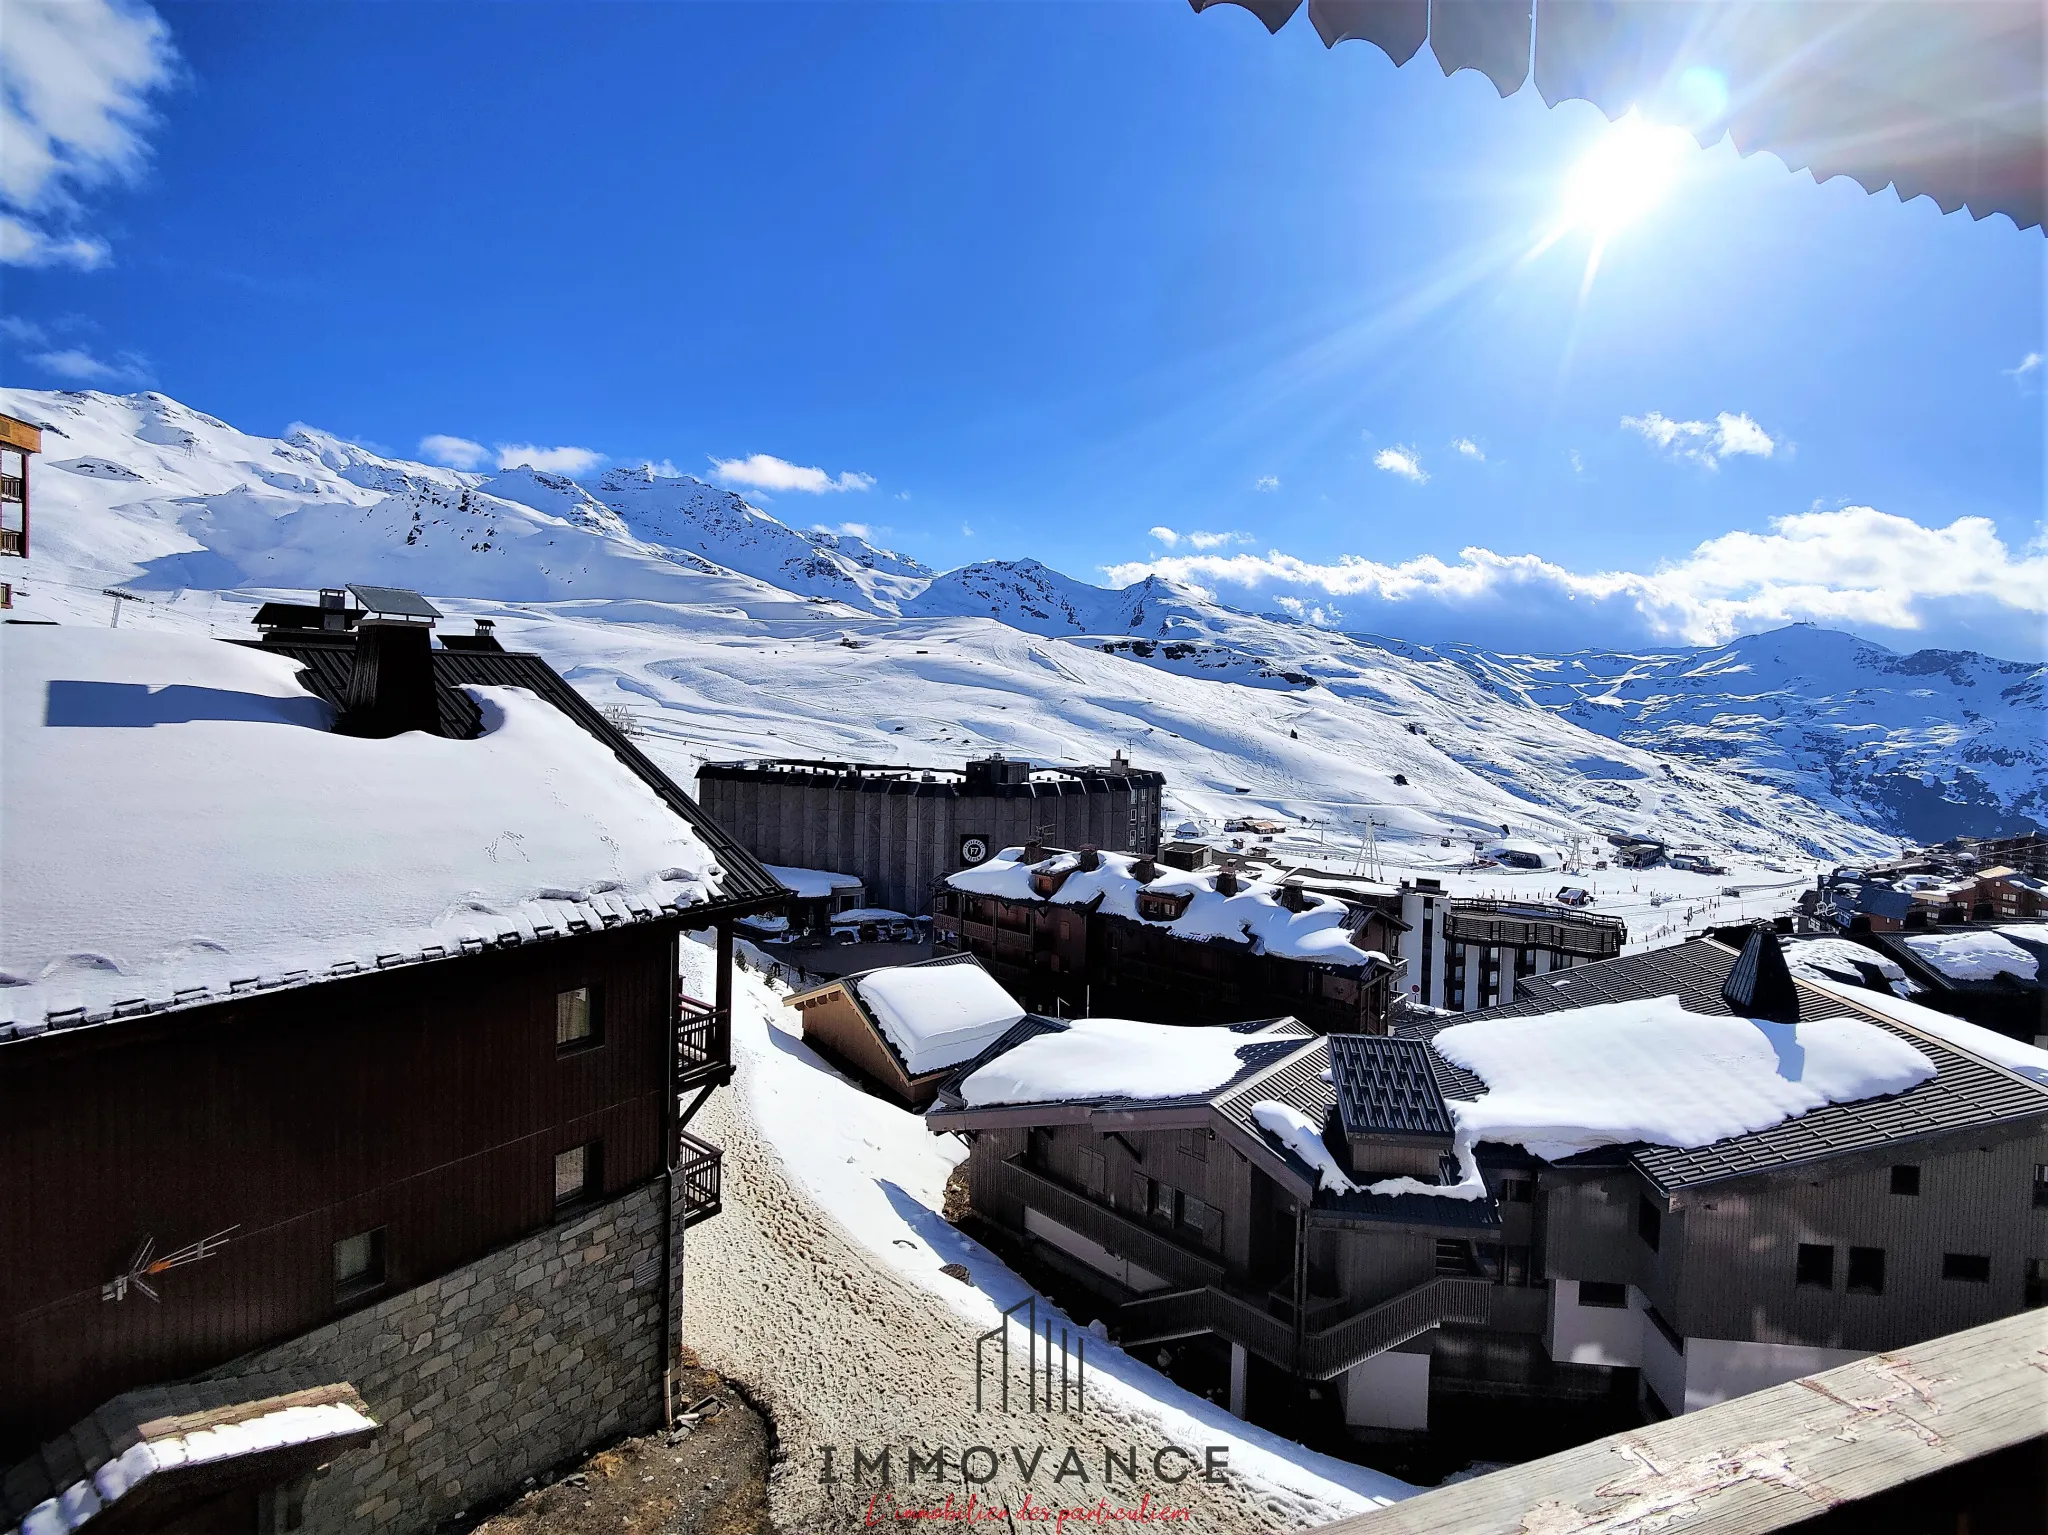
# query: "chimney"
{"type": "Point", "coordinates": [1144, 871]}
{"type": "Point", "coordinates": [1226, 880]}
{"type": "Point", "coordinates": [391, 683]}
{"type": "Point", "coordinates": [1091, 860]}
{"type": "Point", "coordinates": [1034, 851]}
{"type": "Point", "coordinates": [1760, 984]}
{"type": "Point", "coordinates": [1293, 897]}
{"type": "Point", "coordinates": [333, 609]}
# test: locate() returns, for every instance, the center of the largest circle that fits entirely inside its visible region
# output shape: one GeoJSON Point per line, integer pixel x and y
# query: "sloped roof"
{"type": "Point", "coordinates": [1385, 1086]}
{"type": "Point", "coordinates": [1964, 1091]}
{"type": "Point", "coordinates": [1936, 98]}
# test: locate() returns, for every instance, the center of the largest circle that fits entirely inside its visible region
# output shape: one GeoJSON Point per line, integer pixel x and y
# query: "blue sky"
{"type": "Point", "coordinates": [1042, 279]}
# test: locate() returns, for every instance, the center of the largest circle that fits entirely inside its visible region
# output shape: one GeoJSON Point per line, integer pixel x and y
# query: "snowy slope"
{"type": "Point", "coordinates": [710, 621]}
{"type": "Point", "coordinates": [1928, 745]}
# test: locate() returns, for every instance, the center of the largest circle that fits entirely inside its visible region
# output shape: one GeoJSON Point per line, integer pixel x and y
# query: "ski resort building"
{"type": "Point", "coordinates": [903, 829]}
{"type": "Point", "coordinates": [1107, 933]}
{"type": "Point", "coordinates": [1647, 1186]}
{"type": "Point", "coordinates": [902, 1029]}
{"type": "Point", "coordinates": [18, 442]}
{"type": "Point", "coordinates": [348, 1080]}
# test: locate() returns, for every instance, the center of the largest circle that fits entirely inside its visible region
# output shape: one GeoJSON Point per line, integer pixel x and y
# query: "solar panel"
{"type": "Point", "coordinates": [394, 602]}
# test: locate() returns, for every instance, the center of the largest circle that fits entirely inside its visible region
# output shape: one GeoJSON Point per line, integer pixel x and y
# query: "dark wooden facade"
{"type": "Point", "coordinates": [428, 1101]}
{"type": "Point", "coordinates": [1071, 960]}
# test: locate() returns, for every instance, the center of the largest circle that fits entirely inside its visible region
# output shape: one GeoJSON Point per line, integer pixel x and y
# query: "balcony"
{"type": "Point", "coordinates": [1142, 1244]}
{"type": "Point", "coordinates": [703, 1044]}
{"type": "Point", "coordinates": [1328, 1350]}
{"type": "Point", "coordinates": [700, 1176]}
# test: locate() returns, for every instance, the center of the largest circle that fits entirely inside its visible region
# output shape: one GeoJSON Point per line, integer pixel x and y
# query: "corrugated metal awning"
{"type": "Point", "coordinates": [1935, 98]}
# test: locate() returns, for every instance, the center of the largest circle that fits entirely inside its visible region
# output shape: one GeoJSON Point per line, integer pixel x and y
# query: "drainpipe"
{"type": "Point", "coordinates": [1300, 1283]}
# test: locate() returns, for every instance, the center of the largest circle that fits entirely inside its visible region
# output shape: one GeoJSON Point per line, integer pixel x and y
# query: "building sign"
{"type": "Point", "coordinates": [973, 849]}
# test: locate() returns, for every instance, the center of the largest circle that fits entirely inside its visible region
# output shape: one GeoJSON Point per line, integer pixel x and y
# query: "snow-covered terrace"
{"type": "Point", "coordinates": [936, 1015]}
{"type": "Point", "coordinates": [181, 825]}
{"type": "Point", "coordinates": [1255, 914]}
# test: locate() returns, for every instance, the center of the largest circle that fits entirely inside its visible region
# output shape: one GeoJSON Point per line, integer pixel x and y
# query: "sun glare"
{"type": "Point", "coordinates": [1631, 170]}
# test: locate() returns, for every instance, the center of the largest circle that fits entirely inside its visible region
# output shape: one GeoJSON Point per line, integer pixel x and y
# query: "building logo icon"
{"type": "Point", "coordinates": [1049, 1367]}
{"type": "Point", "coordinates": [973, 849]}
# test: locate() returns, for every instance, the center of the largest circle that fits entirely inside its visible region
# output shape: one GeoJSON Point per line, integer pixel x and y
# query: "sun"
{"type": "Point", "coordinates": [1629, 171]}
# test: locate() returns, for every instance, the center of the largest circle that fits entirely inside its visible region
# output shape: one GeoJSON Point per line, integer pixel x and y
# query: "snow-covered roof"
{"type": "Point", "coordinates": [1095, 1059]}
{"type": "Point", "coordinates": [1253, 915]}
{"type": "Point", "coordinates": [812, 884]}
{"type": "Point", "coordinates": [180, 824]}
{"type": "Point", "coordinates": [1980, 954]}
{"type": "Point", "coordinates": [2029, 1061]}
{"type": "Point", "coordinates": [937, 1015]}
{"type": "Point", "coordinates": [1649, 1071]}
{"type": "Point", "coordinates": [1842, 959]}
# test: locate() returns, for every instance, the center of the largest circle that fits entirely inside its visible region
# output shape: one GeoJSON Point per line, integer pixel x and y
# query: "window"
{"type": "Point", "coordinates": [576, 1173]}
{"type": "Point", "coordinates": [1866, 1271]}
{"type": "Point", "coordinates": [1971, 1268]}
{"type": "Point", "coordinates": [2037, 1282]}
{"type": "Point", "coordinates": [1514, 1268]}
{"type": "Point", "coordinates": [1816, 1269]}
{"type": "Point", "coordinates": [1598, 1292]}
{"type": "Point", "coordinates": [1649, 1221]}
{"type": "Point", "coordinates": [575, 1018]}
{"type": "Point", "coordinates": [1517, 1191]}
{"type": "Point", "coordinates": [358, 1263]}
{"type": "Point", "coordinates": [1195, 1143]}
{"type": "Point", "coordinates": [1093, 1173]}
{"type": "Point", "coordinates": [1905, 1180]}
{"type": "Point", "coordinates": [1202, 1218]}
{"type": "Point", "coordinates": [2041, 1185]}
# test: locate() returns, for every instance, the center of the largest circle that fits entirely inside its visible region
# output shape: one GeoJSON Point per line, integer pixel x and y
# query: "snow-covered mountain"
{"type": "Point", "coordinates": [730, 633]}
{"type": "Point", "coordinates": [1928, 745]}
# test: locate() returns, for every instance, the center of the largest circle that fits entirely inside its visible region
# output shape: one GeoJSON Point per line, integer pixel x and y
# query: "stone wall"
{"type": "Point", "coordinates": [492, 1373]}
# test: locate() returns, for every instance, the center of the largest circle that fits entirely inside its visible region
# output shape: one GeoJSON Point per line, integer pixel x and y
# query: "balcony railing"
{"type": "Point", "coordinates": [1123, 1236]}
{"type": "Point", "coordinates": [1328, 1350]}
{"type": "Point", "coordinates": [700, 1178]}
{"type": "Point", "coordinates": [703, 1044]}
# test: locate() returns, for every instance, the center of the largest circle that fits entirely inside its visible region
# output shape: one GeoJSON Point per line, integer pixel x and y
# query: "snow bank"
{"type": "Point", "coordinates": [1254, 915]}
{"type": "Point", "coordinates": [2027, 1060]}
{"type": "Point", "coordinates": [179, 819]}
{"type": "Point", "coordinates": [938, 1015]}
{"type": "Point", "coordinates": [1650, 1071]}
{"type": "Point", "coordinates": [1096, 1058]}
{"type": "Point", "coordinates": [1980, 955]}
{"type": "Point", "coordinates": [812, 884]}
{"type": "Point", "coordinates": [1300, 1135]}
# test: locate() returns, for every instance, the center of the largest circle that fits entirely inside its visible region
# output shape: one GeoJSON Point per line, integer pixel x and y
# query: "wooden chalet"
{"type": "Point", "coordinates": [1095, 932]}
{"type": "Point", "coordinates": [346, 1068]}
{"type": "Point", "coordinates": [903, 1029]}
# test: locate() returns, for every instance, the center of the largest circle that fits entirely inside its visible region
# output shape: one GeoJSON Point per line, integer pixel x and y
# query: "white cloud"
{"type": "Point", "coordinates": [571, 461]}
{"type": "Point", "coordinates": [1322, 615]}
{"type": "Point", "coordinates": [764, 471]}
{"type": "Point", "coordinates": [1468, 448]}
{"type": "Point", "coordinates": [78, 366]}
{"type": "Point", "coordinates": [75, 81]}
{"type": "Point", "coordinates": [1266, 482]}
{"type": "Point", "coordinates": [455, 452]}
{"type": "Point", "coordinates": [1173, 539]}
{"type": "Point", "coordinates": [1855, 567]}
{"type": "Point", "coordinates": [2026, 370]}
{"type": "Point", "coordinates": [859, 530]}
{"type": "Point", "coordinates": [1703, 442]}
{"type": "Point", "coordinates": [1405, 462]}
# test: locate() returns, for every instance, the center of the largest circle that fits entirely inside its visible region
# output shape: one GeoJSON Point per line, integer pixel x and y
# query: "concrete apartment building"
{"type": "Point", "coordinates": [901, 830]}
{"type": "Point", "coordinates": [1261, 1215]}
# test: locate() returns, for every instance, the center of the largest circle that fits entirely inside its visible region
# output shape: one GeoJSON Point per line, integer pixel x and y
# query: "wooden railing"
{"type": "Point", "coordinates": [1127, 1238]}
{"type": "Point", "coordinates": [703, 1043]}
{"type": "Point", "coordinates": [1328, 1350]}
{"type": "Point", "coordinates": [700, 1177]}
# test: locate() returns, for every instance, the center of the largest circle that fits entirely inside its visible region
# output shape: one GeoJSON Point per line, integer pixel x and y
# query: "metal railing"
{"type": "Point", "coordinates": [1326, 1351]}
{"type": "Point", "coordinates": [700, 1178]}
{"type": "Point", "coordinates": [703, 1042]}
{"type": "Point", "coordinates": [1127, 1238]}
